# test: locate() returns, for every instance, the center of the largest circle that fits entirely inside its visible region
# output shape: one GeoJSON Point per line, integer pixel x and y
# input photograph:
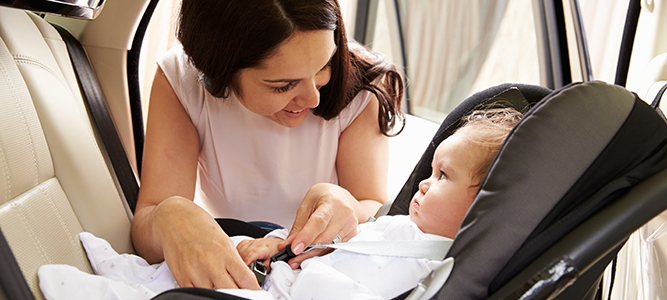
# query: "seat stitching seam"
{"type": "Point", "coordinates": [25, 123]}
{"type": "Point", "coordinates": [5, 172]}
{"type": "Point", "coordinates": [29, 60]}
{"type": "Point", "coordinates": [59, 216]}
{"type": "Point", "coordinates": [31, 231]}
{"type": "Point", "coordinates": [5, 166]}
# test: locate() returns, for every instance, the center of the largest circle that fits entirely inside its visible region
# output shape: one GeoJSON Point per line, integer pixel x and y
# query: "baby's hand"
{"type": "Point", "coordinates": [258, 249]}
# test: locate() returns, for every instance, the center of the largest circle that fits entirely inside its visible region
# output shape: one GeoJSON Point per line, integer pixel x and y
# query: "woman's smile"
{"type": "Point", "coordinates": [296, 113]}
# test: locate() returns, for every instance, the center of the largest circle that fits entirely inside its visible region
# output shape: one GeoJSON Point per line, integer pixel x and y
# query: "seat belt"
{"type": "Point", "coordinates": [432, 284]}
{"type": "Point", "coordinates": [98, 110]}
{"type": "Point", "coordinates": [12, 282]}
{"type": "Point", "coordinates": [430, 249]}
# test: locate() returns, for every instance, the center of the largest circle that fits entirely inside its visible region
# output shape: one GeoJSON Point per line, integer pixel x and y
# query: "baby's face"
{"type": "Point", "coordinates": [444, 198]}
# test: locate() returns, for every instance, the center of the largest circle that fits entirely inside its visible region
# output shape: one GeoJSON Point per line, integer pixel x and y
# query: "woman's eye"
{"type": "Point", "coordinates": [284, 88]}
{"type": "Point", "coordinates": [442, 176]}
{"type": "Point", "coordinates": [328, 65]}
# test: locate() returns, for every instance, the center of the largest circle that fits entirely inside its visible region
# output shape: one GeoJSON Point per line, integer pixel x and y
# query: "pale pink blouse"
{"type": "Point", "coordinates": [251, 168]}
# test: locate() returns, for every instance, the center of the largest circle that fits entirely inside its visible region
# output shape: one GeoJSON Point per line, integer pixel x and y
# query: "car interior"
{"type": "Point", "coordinates": [71, 134]}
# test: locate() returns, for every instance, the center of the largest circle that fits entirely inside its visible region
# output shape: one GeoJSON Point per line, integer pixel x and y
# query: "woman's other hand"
{"type": "Point", "coordinates": [197, 251]}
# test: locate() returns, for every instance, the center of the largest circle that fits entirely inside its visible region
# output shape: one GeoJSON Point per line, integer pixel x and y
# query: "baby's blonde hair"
{"type": "Point", "coordinates": [488, 129]}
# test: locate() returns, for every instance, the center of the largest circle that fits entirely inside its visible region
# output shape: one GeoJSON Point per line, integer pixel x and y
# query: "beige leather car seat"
{"type": "Point", "coordinates": [54, 180]}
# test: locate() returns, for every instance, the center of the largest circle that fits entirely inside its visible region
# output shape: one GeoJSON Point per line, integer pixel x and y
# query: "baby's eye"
{"type": "Point", "coordinates": [442, 176]}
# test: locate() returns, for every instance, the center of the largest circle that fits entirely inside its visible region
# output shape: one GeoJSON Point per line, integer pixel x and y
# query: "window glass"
{"type": "Point", "coordinates": [455, 48]}
{"type": "Point", "coordinates": [160, 36]}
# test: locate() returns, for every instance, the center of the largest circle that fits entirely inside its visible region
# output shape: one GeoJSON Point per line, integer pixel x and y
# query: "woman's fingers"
{"type": "Point", "coordinates": [303, 214]}
{"type": "Point", "coordinates": [215, 272]}
{"type": "Point", "coordinates": [312, 233]}
{"type": "Point", "coordinates": [295, 262]}
{"type": "Point", "coordinates": [325, 212]}
{"type": "Point", "coordinates": [345, 235]}
{"type": "Point", "coordinates": [242, 276]}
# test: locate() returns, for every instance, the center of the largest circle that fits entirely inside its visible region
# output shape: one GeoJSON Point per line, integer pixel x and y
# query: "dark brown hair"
{"type": "Point", "coordinates": [222, 37]}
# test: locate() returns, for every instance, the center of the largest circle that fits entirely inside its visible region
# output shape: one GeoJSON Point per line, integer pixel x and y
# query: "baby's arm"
{"type": "Point", "coordinates": [258, 249]}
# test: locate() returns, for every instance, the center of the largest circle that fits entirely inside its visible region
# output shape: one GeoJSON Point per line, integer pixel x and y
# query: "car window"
{"type": "Point", "coordinates": [451, 48]}
{"type": "Point", "coordinates": [454, 48]}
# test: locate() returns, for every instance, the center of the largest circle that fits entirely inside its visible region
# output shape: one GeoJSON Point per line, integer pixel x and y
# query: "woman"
{"type": "Point", "coordinates": [263, 109]}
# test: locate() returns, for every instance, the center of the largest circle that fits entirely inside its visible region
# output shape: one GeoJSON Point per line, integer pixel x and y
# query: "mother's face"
{"type": "Point", "coordinates": [286, 85]}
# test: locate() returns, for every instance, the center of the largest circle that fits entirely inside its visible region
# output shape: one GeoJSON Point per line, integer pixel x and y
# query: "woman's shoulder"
{"type": "Point", "coordinates": [354, 109]}
{"type": "Point", "coordinates": [175, 62]}
{"type": "Point", "coordinates": [184, 79]}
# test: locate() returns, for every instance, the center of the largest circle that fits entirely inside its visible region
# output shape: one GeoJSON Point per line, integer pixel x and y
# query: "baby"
{"type": "Point", "coordinates": [459, 164]}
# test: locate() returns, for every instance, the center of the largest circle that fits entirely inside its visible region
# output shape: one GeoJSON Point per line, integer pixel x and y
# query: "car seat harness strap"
{"type": "Point", "coordinates": [430, 249]}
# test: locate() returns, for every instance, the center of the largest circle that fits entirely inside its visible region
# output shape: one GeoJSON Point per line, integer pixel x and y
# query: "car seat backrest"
{"type": "Point", "coordinates": [54, 180]}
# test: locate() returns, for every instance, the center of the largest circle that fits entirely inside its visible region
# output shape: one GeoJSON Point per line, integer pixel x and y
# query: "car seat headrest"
{"type": "Point", "coordinates": [79, 9]}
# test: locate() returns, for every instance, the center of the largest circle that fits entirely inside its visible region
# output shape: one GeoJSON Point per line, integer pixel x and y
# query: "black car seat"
{"type": "Point", "coordinates": [572, 157]}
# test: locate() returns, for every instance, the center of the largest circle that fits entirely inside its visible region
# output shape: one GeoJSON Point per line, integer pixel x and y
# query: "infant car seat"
{"type": "Point", "coordinates": [573, 155]}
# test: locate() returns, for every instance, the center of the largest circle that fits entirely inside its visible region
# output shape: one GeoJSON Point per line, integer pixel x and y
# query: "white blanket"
{"type": "Point", "coordinates": [119, 276]}
{"type": "Point", "coordinates": [339, 275]}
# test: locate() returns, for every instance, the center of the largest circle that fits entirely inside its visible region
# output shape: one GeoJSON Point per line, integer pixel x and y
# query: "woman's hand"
{"type": "Point", "coordinates": [197, 251]}
{"type": "Point", "coordinates": [326, 211]}
{"type": "Point", "coordinates": [330, 210]}
{"type": "Point", "coordinates": [258, 249]}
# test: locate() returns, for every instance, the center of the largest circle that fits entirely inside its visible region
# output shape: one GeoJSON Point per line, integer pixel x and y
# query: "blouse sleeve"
{"type": "Point", "coordinates": [352, 111]}
{"type": "Point", "coordinates": [184, 79]}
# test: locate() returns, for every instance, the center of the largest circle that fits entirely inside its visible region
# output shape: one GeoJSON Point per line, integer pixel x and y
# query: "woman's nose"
{"type": "Point", "coordinates": [310, 96]}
